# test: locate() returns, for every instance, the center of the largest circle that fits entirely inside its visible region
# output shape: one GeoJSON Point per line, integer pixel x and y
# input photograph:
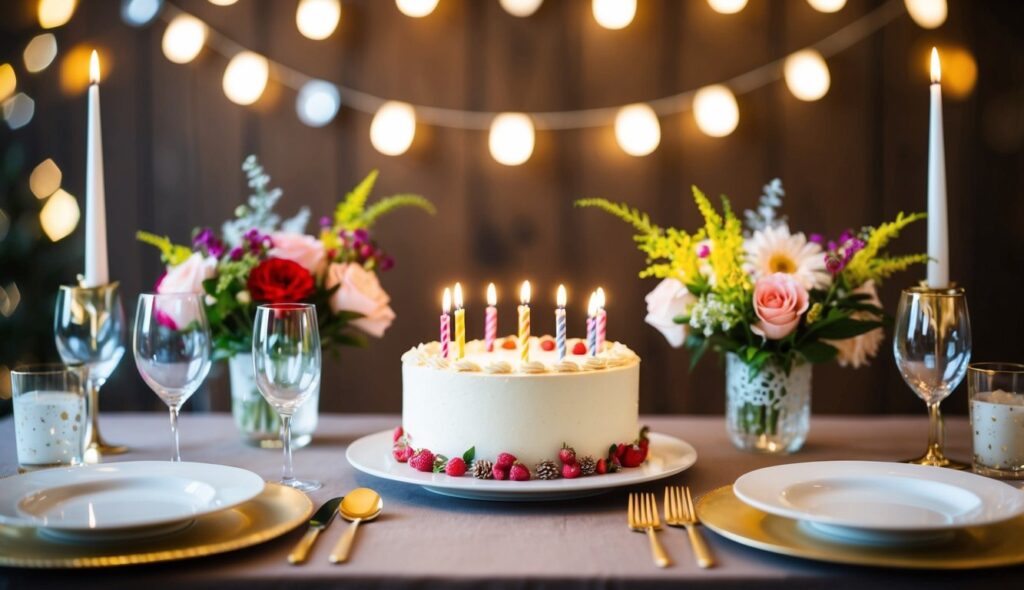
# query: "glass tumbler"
{"type": "Point", "coordinates": [49, 416]}
{"type": "Point", "coordinates": [996, 393]}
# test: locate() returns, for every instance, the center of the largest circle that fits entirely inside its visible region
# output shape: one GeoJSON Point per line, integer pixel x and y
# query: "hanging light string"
{"type": "Point", "coordinates": [365, 102]}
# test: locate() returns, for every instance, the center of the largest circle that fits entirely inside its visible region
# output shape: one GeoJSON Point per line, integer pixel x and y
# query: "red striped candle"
{"type": "Point", "coordinates": [446, 331]}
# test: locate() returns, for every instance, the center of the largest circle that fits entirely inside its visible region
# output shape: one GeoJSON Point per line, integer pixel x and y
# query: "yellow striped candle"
{"type": "Point", "coordinates": [460, 323]}
{"type": "Point", "coordinates": [524, 322]}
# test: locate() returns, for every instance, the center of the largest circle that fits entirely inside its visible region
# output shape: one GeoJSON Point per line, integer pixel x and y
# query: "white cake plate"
{"type": "Point", "coordinates": [667, 456]}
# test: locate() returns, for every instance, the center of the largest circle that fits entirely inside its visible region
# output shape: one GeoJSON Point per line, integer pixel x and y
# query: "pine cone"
{"type": "Point", "coordinates": [588, 466]}
{"type": "Point", "coordinates": [482, 469]}
{"type": "Point", "coordinates": [547, 470]}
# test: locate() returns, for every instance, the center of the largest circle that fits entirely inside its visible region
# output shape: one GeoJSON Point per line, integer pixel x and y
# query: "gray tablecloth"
{"type": "Point", "coordinates": [425, 540]}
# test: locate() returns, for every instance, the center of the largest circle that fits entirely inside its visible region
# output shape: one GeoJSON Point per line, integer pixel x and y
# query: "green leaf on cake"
{"type": "Point", "coordinates": [469, 455]}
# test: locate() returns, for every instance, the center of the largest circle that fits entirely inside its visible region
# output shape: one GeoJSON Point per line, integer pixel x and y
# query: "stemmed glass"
{"type": "Point", "coordinates": [932, 345]}
{"type": "Point", "coordinates": [286, 358]}
{"type": "Point", "coordinates": [88, 328]}
{"type": "Point", "coordinates": [172, 349]}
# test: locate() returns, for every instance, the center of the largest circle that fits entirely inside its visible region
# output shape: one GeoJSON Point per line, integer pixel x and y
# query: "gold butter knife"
{"type": "Point", "coordinates": [323, 517]}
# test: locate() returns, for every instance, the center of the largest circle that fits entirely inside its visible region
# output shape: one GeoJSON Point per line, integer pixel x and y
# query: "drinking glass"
{"type": "Point", "coordinates": [49, 416]}
{"type": "Point", "coordinates": [172, 349]}
{"type": "Point", "coordinates": [996, 391]}
{"type": "Point", "coordinates": [286, 359]}
{"type": "Point", "coordinates": [932, 345]}
{"type": "Point", "coordinates": [88, 328]}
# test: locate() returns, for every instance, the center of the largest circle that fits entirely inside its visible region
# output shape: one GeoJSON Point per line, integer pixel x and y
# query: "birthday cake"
{"type": "Point", "coordinates": [510, 418]}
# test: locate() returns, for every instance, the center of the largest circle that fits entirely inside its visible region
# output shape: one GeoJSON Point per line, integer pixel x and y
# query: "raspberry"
{"type": "Point", "coordinates": [579, 348]}
{"type": "Point", "coordinates": [602, 467]}
{"type": "Point", "coordinates": [547, 344]}
{"type": "Point", "coordinates": [570, 471]}
{"type": "Point", "coordinates": [397, 434]}
{"type": "Point", "coordinates": [633, 456]}
{"type": "Point", "coordinates": [423, 460]}
{"type": "Point", "coordinates": [505, 460]}
{"type": "Point", "coordinates": [620, 450]}
{"type": "Point", "coordinates": [456, 467]}
{"type": "Point", "coordinates": [498, 472]}
{"type": "Point", "coordinates": [402, 453]}
{"type": "Point", "coordinates": [509, 344]}
{"type": "Point", "coordinates": [519, 472]}
{"type": "Point", "coordinates": [567, 455]}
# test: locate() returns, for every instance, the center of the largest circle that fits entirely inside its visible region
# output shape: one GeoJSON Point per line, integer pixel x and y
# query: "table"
{"type": "Point", "coordinates": [425, 540]}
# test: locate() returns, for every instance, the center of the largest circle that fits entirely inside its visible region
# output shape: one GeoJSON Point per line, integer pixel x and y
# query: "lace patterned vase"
{"type": "Point", "coordinates": [770, 411]}
{"type": "Point", "coordinates": [256, 420]}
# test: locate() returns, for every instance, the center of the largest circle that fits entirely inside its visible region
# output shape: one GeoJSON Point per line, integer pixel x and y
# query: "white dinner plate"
{"type": "Point", "coordinates": [116, 499]}
{"type": "Point", "coordinates": [667, 456]}
{"type": "Point", "coordinates": [855, 500]}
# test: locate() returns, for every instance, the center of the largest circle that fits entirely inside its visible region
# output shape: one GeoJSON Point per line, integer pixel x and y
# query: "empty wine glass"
{"type": "Point", "coordinates": [286, 358]}
{"type": "Point", "coordinates": [172, 349]}
{"type": "Point", "coordinates": [932, 345]}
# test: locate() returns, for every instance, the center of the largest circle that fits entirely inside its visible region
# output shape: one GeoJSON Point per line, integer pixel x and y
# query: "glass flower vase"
{"type": "Point", "coordinates": [767, 411]}
{"type": "Point", "coordinates": [259, 424]}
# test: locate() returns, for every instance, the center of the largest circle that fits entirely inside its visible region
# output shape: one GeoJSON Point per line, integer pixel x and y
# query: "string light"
{"type": "Point", "coordinates": [393, 128]}
{"type": "Point", "coordinates": [637, 129]}
{"type": "Point", "coordinates": [613, 14]}
{"type": "Point", "coordinates": [54, 13]}
{"type": "Point", "coordinates": [807, 75]}
{"type": "Point", "coordinates": [59, 217]}
{"type": "Point", "coordinates": [521, 8]}
{"type": "Point", "coordinates": [223, 2]}
{"type": "Point", "coordinates": [8, 81]}
{"type": "Point", "coordinates": [928, 14]}
{"type": "Point", "coordinates": [727, 6]}
{"type": "Point", "coordinates": [716, 111]}
{"type": "Point", "coordinates": [416, 8]}
{"type": "Point", "coordinates": [45, 179]}
{"type": "Point", "coordinates": [317, 19]}
{"type": "Point", "coordinates": [511, 138]}
{"type": "Point", "coordinates": [317, 103]}
{"type": "Point", "coordinates": [184, 38]}
{"type": "Point", "coordinates": [18, 110]}
{"type": "Point", "coordinates": [246, 77]}
{"type": "Point", "coordinates": [139, 13]}
{"type": "Point", "coordinates": [827, 6]}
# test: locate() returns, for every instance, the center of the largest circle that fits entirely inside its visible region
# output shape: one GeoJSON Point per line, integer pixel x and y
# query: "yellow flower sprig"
{"type": "Point", "coordinates": [867, 264]}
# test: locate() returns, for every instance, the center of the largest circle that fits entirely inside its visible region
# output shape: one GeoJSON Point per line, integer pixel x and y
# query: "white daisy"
{"type": "Point", "coordinates": [774, 249]}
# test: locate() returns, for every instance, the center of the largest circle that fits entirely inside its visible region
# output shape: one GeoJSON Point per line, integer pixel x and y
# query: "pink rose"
{"type": "Point", "coordinates": [305, 250]}
{"type": "Point", "coordinates": [360, 291]}
{"type": "Point", "coordinates": [188, 276]}
{"type": "Point", "coordinates": [665, 303]}
{"type": "Point", "coordinates": [779, 301]}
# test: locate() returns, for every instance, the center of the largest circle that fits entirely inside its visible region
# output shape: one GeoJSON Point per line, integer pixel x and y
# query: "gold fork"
{"type": "Point", "coordinates": [643, 516]}
{"type": "Point", "coordinates": [679, 511]}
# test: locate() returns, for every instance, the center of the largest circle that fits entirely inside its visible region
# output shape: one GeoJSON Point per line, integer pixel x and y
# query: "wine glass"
{"type": "Point", "coordinates": [88, 328]}
{"type": "Point", "coordinates": [932, 345]}
{"type": "Point", "coordinates": [286, 358]}
{"type": "Point", "coordinates": [172, 349]}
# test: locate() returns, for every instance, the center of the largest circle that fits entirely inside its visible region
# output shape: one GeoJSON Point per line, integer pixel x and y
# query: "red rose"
{"type": "Point", "coordinates": [277, 280]}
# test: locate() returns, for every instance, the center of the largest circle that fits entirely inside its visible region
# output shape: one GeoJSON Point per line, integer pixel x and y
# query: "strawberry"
{"type": "Point", "coordinates": [402, 453]}
{"type": "Point", "coordinates": [423, 460]}
{"type": "Point", "coordinates": [602, 467]}
{"type": "Point", "coordinates": [397, 434]}
{"type": "Point", "coordinates": [519, 472]}
{"type": "Point", "coordinates": [547, 344]}
{"type": "Point", "coordinates": [570, 471]}
{"type": "Point", "coordinates": [633, 456]}
{"type": "Point", "coordinates": [509, 344]}
{"type": "Point", "coordinates": [567, 455]}
{"type": "Point", "coordinates": [456, 467]}
{"type": "Point", "coordinates": [498, 472]}
{"type": "Point", "coordinates": [579, 348]}
{"type": "Point", "coordinates": [505, 460]}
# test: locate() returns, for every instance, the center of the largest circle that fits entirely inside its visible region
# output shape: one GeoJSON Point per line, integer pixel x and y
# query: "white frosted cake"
{"type": "Point", "coordinates": [494, 402]}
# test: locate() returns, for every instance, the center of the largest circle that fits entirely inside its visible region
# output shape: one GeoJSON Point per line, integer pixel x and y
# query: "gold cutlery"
{"type": "Point", "coordinates": [643, 516]}
{"type": "Point", "coordinates": [679, 511]}
{"type": "Point", "coordinates": [359, 505]}
{"type": "Point", "coordinates": [323, 517]}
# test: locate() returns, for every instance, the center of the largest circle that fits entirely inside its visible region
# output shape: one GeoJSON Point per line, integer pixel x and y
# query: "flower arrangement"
{"type": "Point", "coordinates": [260, 258]}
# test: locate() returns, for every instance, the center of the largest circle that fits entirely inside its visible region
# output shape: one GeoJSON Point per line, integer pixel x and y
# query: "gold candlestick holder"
{"type": "Point", "coordinates": [89, 329]}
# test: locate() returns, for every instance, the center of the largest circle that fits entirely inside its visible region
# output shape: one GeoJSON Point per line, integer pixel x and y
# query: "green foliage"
{"type": "Point", "coordinates": [868, 264]}
{"type": "Point", "coordinates": [171, 253]}
{"type": "Point", "coordinates": [353, 213]}
{"type": "Point", "coordinates": [393, 203]}
{"type": "Point", "coordinates": [639, 220]}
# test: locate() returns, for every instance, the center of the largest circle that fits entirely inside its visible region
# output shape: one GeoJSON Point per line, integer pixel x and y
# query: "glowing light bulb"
{"type": "Point", "coordinates": [40, 52]}
{"type": "Point", "coordinates": [511, 138]}
{"type": "Point", "coordinates": [59, 217]}
{"type": "Point", "coordinates": [416, 8]}
{"type": "Point", "coordinates": [827, 5]}
{"type": "Point", "coordinates": [521, 8]}
{"type": "Point", "coordinates": [317, 103]}
{"type": "Point", "coordinates": [928, 14]}
{"type": "Point", "coordinates": [716, 111]}
{"type": "Point", "coordinates": [613, 14]}
{"type": "Point", "coordinates": [45, 179]}
{"type": "Point", "coordinates": [727, 6]}
{"type": "Point", "coordinates": [317, 19]}
{"type": "Point", "coordinates": [393, 128]}
{"type": "Point", "coordinates": [184, 38]}
{"type": "Point", "coordinates": [807, 75]}
{"type": "Point", "coordinates": [138, 13]}
{"type": "Point", "coordinates": [223, 2]}
{"type": "Point", "coordinates": [54, 13]}
{"type": "Point", "coordinates": [246, 77]}
{"type": "Point", "coordinates": [637, 129]}
{"type": "Point", "coordinates": [8, 81]}
{"type": "Point", "coordinates": [18, 110]}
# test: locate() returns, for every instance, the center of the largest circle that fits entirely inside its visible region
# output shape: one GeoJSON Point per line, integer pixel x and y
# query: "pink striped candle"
{"type": "Point", "coordinates": [601, 321]}
{"type": "Point", "coordinates": [446, 330]}
{"type": "Point", "coordinates": [592, 324]}
{"type": "Point", "coordinates": [491, 318]}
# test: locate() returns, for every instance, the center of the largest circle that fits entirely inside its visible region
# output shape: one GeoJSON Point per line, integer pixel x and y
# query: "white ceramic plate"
{"type": "Point", "coordinates": [848, 499]}
{"type": "Point", "coordinates": [118, 498]}
{"type": "Point", "coordinates": [668, 456]}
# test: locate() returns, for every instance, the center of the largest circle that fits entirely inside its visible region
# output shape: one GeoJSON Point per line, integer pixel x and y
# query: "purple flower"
{"type": "Point", "coordinates": [236, 253]}
{"type": "Point", "coordinates": [207, 241]}
{"type": "Point", "coordinates": [361, 235]}
{"type": "Point", "coordinates": [386, 263]}
{"type": "Point", "coordinates": [704, 251]}
{"type": "Point", "coordinates": [833, 264]}
{"type": "Point", "coordinates": [325, 221]}
{"type": "Point", "coordinates": [817, 238]}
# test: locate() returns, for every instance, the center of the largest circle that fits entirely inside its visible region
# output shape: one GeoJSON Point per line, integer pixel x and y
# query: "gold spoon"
{"type": "Point", "coordinates": [361, 504]}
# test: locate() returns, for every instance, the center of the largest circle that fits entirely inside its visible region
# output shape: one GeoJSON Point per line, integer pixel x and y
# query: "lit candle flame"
{"type": "Point", "coordinates": [592, 305]}
{"type": "Point", "coordinates": [561, 297]}
{"type": "Point", "coordinates": [446, 300]}
{"type": "Point", "coordinates": [936, 67]}
{"type": "Point", "coordinates": [524, 293]}
{"type": "Point", "coordinates": [600, 297]}
{"type": "Point", "coordinates": [458, 295]}
{"type": "Point", "coordinates": [492, 295]}
{"type": "Point", "coordinates": [94, 68]}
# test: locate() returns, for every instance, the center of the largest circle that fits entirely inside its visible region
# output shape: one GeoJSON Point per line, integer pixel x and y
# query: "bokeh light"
{"type": "Point", "coordinates": [317, 103]}
{"type": "Point", "coordinates": [727, 6]}
{"type": "Point", "coordinates": [40, 52]}
{"type": "Point", "coordinates": [223, 2]}
{"type": "Point", "coordinates": [807, 75]}
{"type": "Point", "coordinates": [59, 216]}
{"type": "Point", "coordinates": [928, 14]}
{"type": "Point", "coordinates": [317, 19]}
{"type": "Point", "coordinates": [637, 129]}
{"type": "Point", "coordinates": [827, 5]}
{"type": "Point", "coordinates": [45, 179]}
{"type": "Point", "coordinates": [139, 13]}
{"type": "Point", "coordinates": [511, 138]}
{"type": "Point", "coordinates": [613, 14]}
{"type": "Point", "coordinates": [521, 8]}
{"type": "Point", "coordinates": [74, 68]}
{"type": "Point", "coordinates": [393, 128]}
{"type": "Point", "coordinates": [716, 111]}
{"type": "Point", "coordinates": [959, 70]}
{"type": "Point", "coordinates": [184, 38]}
{"type": "Point", "coordinates": [8, 81]}
{"type": "Point", "coordinates": [18, 110]}
{"type": "Point", "coordinates": [416, 8]}
{"type": "Point", "coordinates": [246, 77]}
{"type": "Point", "coordinates": [54, 13]}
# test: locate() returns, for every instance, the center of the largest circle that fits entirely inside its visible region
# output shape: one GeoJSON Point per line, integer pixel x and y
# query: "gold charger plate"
{"type": "Point", "coordinates": [277, 510]}
{"type": "Point", "coordinates": [990, 546]}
